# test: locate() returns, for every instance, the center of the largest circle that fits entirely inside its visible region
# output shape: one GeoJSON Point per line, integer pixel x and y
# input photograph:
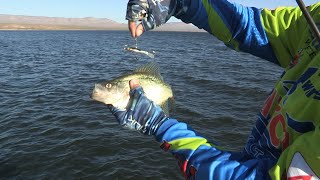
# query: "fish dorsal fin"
{"type": "Point", "coordinates": [151, 68]}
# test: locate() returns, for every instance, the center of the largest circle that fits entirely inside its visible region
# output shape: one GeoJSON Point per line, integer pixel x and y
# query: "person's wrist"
{"type": "Point", "coordinates": [153, 130]}
{"type": "Point", "coordinates": [147, 113]}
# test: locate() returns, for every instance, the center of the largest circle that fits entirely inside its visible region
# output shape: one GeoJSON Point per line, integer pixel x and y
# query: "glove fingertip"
{"type": "Point", "coordinates": [138, 90]}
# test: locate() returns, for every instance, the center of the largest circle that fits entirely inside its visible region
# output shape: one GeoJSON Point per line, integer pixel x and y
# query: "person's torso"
{"type": "Point", "coordinates": [289, 120]}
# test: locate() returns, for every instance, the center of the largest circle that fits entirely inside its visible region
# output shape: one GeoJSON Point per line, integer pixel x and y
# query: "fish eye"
{"type": "Point", "coordinates": [108, 85]}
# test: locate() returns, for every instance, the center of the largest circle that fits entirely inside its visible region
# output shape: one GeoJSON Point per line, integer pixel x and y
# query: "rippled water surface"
{"type": "Point", "coordinates": [51, 129]}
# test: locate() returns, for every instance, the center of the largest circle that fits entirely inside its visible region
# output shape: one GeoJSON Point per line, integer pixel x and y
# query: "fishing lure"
{"type": "Point", "coordinates": [137, 50]}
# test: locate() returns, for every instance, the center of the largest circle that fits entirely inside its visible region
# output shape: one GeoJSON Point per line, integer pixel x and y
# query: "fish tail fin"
{"type": "Point", "coordinates": [165, 108]}
{"type": "Point", "coordinates": [172, 104]}
{"type": "Point", "coordinates": [168, 106]}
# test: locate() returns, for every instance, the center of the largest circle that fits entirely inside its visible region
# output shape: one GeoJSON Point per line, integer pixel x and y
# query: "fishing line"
{"type": "Point", "coordinates": [136, 42]}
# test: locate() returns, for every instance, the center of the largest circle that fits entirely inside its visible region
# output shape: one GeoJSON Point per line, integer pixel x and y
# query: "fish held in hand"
{"type": "Point", "coordinates": [116, 91]}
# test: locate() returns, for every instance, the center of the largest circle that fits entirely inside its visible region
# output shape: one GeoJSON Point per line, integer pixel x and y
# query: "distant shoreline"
{"type": "Point", "coordinates": [18, 22]}
{"type": "Point", "coordinates": [96, 30]}
{"type": "Point", "coordinates": [51, 27]}
{"type": "Point", "coordinates": [88, 29]}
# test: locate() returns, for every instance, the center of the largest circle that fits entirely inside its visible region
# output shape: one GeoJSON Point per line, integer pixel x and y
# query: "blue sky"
{"type": "Point", "coordinates": [111, 9]}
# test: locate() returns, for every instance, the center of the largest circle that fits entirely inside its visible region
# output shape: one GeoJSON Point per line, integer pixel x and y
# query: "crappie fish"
{"type": "Point", "coordinates": [137, 50]}
{"type": "Point", "coordinates": [116, 91]}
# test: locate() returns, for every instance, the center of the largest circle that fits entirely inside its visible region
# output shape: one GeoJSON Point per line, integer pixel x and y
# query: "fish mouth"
{"type": "Point", "coordinates": [96, 91]}
{"type": "Point", "coordinates": [96, 96]}
{"type": "Point", "coordinates": [93, 95]}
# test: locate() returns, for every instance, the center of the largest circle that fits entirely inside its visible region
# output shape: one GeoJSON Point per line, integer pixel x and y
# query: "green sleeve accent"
{"type": "Point", "coordinates": [189, 143]}
{"type": "Point", "coordinates": [218, 27]}
{"type": "Point", "coordinates": [286, 28]}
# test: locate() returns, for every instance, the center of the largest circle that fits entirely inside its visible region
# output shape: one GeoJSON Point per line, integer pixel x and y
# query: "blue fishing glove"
{"type": "Point", "coordinates": [141, 114]}
{"type": "Point", "coordinates": [154, 13]}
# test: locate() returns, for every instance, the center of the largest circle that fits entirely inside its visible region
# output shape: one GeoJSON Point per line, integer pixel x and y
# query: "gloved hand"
{"type": "Point", "coordinates": [141, 114]}
{"type": "Point", "coordinates": [152, 13]}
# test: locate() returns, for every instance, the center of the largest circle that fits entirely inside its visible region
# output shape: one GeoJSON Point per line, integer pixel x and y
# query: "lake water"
{"type": "Point", "coordinates": [51, 129]}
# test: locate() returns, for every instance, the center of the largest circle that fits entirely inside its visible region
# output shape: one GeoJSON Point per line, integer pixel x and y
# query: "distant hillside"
{"type": "Point", "coordinates": [16, 22]}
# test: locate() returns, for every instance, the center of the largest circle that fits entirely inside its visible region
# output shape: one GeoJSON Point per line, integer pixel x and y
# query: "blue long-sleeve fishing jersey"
{"type": "Point", "coordinates": [285, 140]}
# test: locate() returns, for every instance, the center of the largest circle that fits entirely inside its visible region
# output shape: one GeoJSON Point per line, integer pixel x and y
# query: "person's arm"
{"type": "Point", "coordinates": [197, 156]}
{"type": "Point", "coordinates": [201, 159]}
{"type": "Point", "coordinates": [273, 35]}
{"type": "Point", "coordinates": [239, 27]}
